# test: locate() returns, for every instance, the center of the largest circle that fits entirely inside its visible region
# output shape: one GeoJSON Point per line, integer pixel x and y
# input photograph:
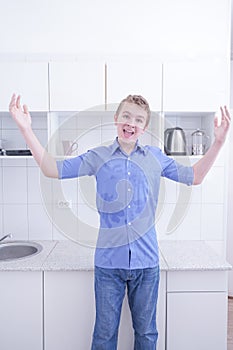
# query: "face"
{"type": "Point", "coordinates": [130, 122]}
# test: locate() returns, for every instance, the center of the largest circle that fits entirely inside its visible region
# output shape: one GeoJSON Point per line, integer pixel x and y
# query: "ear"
{"type": "Point", "coordinates": [115, 118]}
{"type": "Point", "coordinates": [144, 129]}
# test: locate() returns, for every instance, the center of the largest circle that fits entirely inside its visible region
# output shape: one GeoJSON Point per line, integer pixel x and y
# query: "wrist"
{"type": "Point", "coordinates": [218, 142]}
{"type": "Point", "coordinates": [26, 131]}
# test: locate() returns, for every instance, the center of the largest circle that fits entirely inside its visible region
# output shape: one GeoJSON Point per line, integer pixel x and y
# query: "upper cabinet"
{"type": "Point", "coordinates": [195, 86]}
{"type": "Point", "coordinates": [75, 86]}
{"type": "Point", "coordinates": [30, 80]}
{"type": "Point", "coordinates": [126, 77]}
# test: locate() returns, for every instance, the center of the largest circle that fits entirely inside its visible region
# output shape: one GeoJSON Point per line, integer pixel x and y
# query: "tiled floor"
{"type": "Point", "coordinates": [230, 325]}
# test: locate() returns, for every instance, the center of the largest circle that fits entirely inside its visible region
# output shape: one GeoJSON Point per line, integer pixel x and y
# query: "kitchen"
{"type": "Point", "coordinates": [170, 62]}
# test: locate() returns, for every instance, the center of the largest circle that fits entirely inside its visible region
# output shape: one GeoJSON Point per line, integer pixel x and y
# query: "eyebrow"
{"type": "Point", "coordinates": [138, 116]}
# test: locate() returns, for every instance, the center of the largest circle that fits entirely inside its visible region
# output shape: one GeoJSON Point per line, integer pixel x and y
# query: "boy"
{"type": "Point", "coordinates": [128, 176]}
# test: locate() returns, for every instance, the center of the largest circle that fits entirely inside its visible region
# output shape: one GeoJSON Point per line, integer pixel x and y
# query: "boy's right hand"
{"type": "Point", "coordinates": [20, 115]}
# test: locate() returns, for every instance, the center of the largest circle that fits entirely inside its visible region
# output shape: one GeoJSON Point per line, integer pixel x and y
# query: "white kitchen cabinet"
{"type": "Point", "coordinates": [21, 321]}
{"type": "Point", "coordinates": [69, 312]}
{"type": "Point", "coordinates": [197, 310]}
{"type": "Point", "coordinates": [75, 86]}
{"type": "Point", "coordinates": [161, 311]}
{"type": "Point", "coordinates": [128, 77]}
{"type": "Point", "coordinates": [200, 86]}
{"type": "Point", "coordinates": [28, 79]}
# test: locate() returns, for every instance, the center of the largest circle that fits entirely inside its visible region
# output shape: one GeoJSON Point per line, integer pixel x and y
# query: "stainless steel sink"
{"type": "Point", "coordinates": [16, 250]}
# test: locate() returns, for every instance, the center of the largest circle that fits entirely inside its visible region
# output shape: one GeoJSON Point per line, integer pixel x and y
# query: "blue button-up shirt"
{"type": "Point", "coordinates": [126, 199]}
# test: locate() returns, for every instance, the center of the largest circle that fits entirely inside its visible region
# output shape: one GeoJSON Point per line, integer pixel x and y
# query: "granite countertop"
{"type": "Point", "coordinates": [70, 256]}
{"type": "Point", "coordinates": [191, 255]}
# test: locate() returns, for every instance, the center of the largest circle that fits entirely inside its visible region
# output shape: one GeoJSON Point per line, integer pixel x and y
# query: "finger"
{"type": "Point", "coordinates": [225, 116]}
{"type": "Point", "coordinates": [18, 102]}
{"type": "Point", "coordinates": [25, 109]}
{"type": "Point", "coordinates": [216, 122]}
{"type": "Point", "coordinates": [12, 101]}
{"type": "Point", "coordinates": [227, 113]}
{"type": "Point", "coordinates": [222, 113]}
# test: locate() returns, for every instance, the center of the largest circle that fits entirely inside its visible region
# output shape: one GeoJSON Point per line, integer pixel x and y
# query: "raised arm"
{"type": "Point", "coordinates": [23, 120]}
{"type": "Point", "coordinates": [202, 167]}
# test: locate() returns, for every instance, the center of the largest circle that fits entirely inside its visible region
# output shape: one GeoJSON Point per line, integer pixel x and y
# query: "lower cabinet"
{"type": "Point", "coordinates": [58, 311]}
{"type": "Point", "coordinates": [21, 310]}
{"type": "Point", "coordinates": [197, 310]}
{"type": "Point", "coordinates": [69, 312]}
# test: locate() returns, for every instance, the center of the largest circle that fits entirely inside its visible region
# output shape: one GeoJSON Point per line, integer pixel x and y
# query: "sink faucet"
{"type": "Point", "coordinates": [4, 237]}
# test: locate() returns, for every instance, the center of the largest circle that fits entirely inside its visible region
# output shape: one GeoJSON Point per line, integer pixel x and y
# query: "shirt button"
{"type": "Point", "coordinates": [129, 189]}
{"type": "Point", "coordinates": [129, 172]}
{"type": "Point", "coordinates": [129, 206]}
{"type": "Point", "coordinates": [129, 223]}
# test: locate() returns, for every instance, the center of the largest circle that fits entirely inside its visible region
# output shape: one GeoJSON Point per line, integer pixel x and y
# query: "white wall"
{"type": "Point", "coordinates": [54, 29]}
{"type": "Point", "coordinates": [166, 28]}
{"type": "Point", "coordinates": [230, 197]}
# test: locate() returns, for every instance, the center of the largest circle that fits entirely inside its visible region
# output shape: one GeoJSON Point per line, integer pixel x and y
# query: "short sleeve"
{"type": "Point", "coordinates": [77, 166]}
{"type": "Point", "coordinates": [173, 170]}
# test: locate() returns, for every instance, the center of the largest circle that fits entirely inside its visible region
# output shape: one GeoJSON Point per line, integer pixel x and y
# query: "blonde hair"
{"type": "Point", "coordinates": [138, 100]}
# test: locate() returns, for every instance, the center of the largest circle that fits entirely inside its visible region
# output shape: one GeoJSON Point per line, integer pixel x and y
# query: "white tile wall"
{"type": "Point", "coordinates": [16, 220]}
{"type": "Point", "coordinates": [212, 221]}
{"type": "Point", "coordinates": [65, 222]}
{"type": "Point", "coordinates": [39, 223]}
{"type": "Point", "coordinates": [88, 215]}
{"type": "Point", "coordinates": [69, 189]}
{"type": "Point", "coordinates": [87, 190]}
{"type": "Point", "coordinates": [33, 183]}
{"type": "Point", "coordinates": [1, 219]}
{"type": "Point", "coordinates": [167, 191]}
{"type": "Point", "coordinates": [190, 227]}
{"type": "Point", "coordinates": [14, 185]}
{"type": "Point", "coordinates": [23, 190]}
{"type": "Point", "coordinates": [1, 184]}
{"type": "Point", "coordinates": [213, 186]}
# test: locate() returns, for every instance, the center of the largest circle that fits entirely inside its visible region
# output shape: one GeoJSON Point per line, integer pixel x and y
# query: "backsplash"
{"type": "Point", "coordinates": [23, 213]}
{"type": "Point", "coordinates": [9, 133]}
{"type": "Point", "coordinates": [199, 215]}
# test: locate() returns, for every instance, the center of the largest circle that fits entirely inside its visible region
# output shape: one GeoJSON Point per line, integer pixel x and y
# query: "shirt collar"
{"type": "Point", "coordinates": [115, 146]}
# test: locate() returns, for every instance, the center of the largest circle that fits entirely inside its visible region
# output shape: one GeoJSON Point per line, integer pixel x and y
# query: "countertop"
{"type": "Point", "coordinates": [70, 256]}
{"type": "Point", "coordinates": [191, 255]}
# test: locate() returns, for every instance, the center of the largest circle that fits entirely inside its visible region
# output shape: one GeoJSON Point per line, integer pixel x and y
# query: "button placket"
{"type": "Point", "coordinates": [128, 170]}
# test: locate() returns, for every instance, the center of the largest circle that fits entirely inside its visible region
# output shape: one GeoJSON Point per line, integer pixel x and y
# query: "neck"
{"type": "Point", "coordinates": [127, 147]}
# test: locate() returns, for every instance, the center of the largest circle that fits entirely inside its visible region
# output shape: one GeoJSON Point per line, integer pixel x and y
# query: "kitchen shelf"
{"type": "Point", "coordinates": [189, 122]}
{"type": "Point", "coordinates": [16, 157]}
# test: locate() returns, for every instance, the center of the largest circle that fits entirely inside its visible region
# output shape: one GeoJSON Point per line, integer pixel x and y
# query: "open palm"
{"type": "Point", "coordinates": [220, 131]}
{"type": "Point", "coordinates": [20, 115]}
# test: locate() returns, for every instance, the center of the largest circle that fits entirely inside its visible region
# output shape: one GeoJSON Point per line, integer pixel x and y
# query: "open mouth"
{"type": "Point", "coordinates": [128, 133]}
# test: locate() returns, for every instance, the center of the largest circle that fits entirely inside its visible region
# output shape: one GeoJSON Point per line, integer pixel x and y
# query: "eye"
{"type": "Point", "coordinates": [139, 121]}
{"type": "Point", "coordinates": [126, 116]}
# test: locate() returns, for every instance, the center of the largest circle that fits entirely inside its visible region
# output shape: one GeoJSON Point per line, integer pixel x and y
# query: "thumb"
{"type": "Point", "coordinates": [25, 109]}
{"type": "Point", "coordinates": [215, 121]}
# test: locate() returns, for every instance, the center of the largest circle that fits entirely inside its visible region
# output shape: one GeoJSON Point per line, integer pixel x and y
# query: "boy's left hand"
{"type": "Point", "coordinates": [220, 131]}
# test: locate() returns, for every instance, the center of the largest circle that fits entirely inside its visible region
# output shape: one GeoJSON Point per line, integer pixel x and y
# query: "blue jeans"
{"type": "Point", "coordinates": [142, 288]}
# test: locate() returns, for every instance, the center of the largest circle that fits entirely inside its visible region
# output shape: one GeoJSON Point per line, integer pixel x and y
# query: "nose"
{"type": "Point", "coordinates": [131, 122]}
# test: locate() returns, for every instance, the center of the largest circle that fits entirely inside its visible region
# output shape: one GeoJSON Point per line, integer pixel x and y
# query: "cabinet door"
{"type": "Point", "coordinates": [70, 312]}
{"type": "Point", "coordinates": [197, 321]}
{"type": "Point", "coordinates": [30, 80]}
{"type": "Point", "coordinates": [135, 77]}
{"type": "Point", "coordinates": [195, 86]}
{"type": "Point", "coordinates": [21, 310]}
{"type": "Point", "coordinates": [75, 86]}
